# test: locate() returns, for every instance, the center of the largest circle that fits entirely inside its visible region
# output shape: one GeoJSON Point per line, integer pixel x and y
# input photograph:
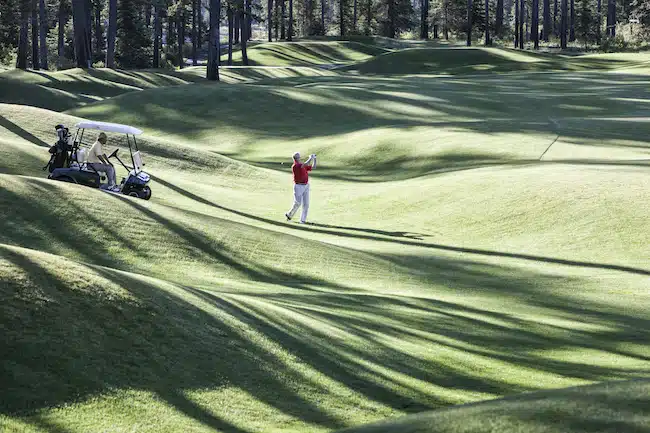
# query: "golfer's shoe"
{"type": "Point", "coordinates": [303, 222]}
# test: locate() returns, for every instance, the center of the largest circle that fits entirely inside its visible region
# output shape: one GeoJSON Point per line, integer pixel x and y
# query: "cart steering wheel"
{"type": "Point", "coordinates": [114, 153]}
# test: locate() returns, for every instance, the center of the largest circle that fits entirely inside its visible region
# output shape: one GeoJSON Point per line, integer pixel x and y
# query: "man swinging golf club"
{"type": "Point", "coordinates": [301, 185]}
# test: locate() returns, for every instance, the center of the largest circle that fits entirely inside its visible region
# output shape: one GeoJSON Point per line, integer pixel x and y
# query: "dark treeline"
{"type": "Point", "coordinates": [48, 34]}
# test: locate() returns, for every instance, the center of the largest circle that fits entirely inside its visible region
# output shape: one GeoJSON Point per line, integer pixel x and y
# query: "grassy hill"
{"type": "Point", "coordinates": [471, 239]}
{"type": "Point", "coordinates": [307, 53]}
{"type": "Point", "coordinates": [462, 60]}
{"type": "Point", "coordinates": [616, 406]}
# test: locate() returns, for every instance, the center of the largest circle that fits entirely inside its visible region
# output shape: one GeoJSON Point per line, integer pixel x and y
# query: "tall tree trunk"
{"type": "Point", "coordinates": [342, 17]}
{"type": "Point", "coordinates": [547, 20]}
{"type": "Point", "coordinates": [249, 21]}
{"type": "Point", "coordinates": [89, 26]}
{"type": "Point", "coordinates": [424, 20]}
{"type": "Point", "coordinates": [231, 31]}
{"type": "Point", "coordinates": [81, 33]}
{"type": "Point", "coordinates": [527, 32]}
{"type": "Point", "coordinates": [214, 41]}
{"type": "Point", "coordinates": [244, 36]}
{"type": "Point", "coordinates": [180, 32]}
{"type": "Point", "coordinates": [199, 29]}
{"type": "Point", "coordinates": [611, 18]}
{"type": "Point", "coordinates": [517, 3]}
{"type": "Point", "coordinates": [534, 27]}
{"type": "Point", "coordinates": [446, 11]}
{"type": "Point", "coordinates": [269, 19]}
{"type": "Point", "coordinates": [572, 24]}
{"type": "Point", "coordinates": [61, 36]}
{"type": "Point", "coordinates": [487, 23]}
{"type": "Point", "coordinates": [322, 16]}
{"type": "Point", "coordinates": [563, 24]}
{"type": "Point", "coordinates": [147, 14]}
{"type": "Point", "coordinates": [35, 34]}
{"type": "Point", "coordinates": [498, 22]}
{"type": "Point", "coordinates": [522, 11]}
{"type": "Point", "coordinates": [236, 26]}
{"type": "Point", "coordinates": [157, 30]}
{"type": "Point", "coordinates": [469, 22]}
{"type": "Point", "coordinates": [98, 27]}
{"type": "Point", "coordinates": [556, 29]}
{"type": "Point", "coordinates": [111, 33]}
{"type": "Point", "coordinates": [290, 35]}
{"type": "Point", "coordinates": [43, 30]}
{"type": "Point", "coordinates": [23, 39]}
{"type": "Point", "coordinates": [283, 17]}
{"type": "Point", "coordinates": [195, 40]}
{"type": "Point", "coordinates": [354, 16]}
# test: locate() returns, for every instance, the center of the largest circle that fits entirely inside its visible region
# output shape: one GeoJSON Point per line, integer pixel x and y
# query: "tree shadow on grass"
{"type": "Point", "coordinates": [618, 406]}
{"type": "Point", "coordinates": [22, 133]}
{"type": "Point", "coordinates": [154, 340]}
{"type": "Point", "coordinates": [441, 247]}
{"type": "Point", "coordinates": [170, 339]}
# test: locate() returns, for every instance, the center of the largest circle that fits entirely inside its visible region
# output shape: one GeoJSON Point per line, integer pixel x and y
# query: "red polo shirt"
{"type": "Point", "coordinates": [300, 172]}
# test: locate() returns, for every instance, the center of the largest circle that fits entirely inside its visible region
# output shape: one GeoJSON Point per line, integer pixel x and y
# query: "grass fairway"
{"type": "Point", "coordinates": [307, 53]}
{"type": "Point", "coordinates": [472, 238]}
{"type": "Point", "coordinates": [462, 60]}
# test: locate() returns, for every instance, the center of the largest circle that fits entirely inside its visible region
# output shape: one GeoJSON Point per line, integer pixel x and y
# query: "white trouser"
{"type": "Point", "coordinates": [108, 169]}
{"type": "Point", "coordinates": [300, 197]}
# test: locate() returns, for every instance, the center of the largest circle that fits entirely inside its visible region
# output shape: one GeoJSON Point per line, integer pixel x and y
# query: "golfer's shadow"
{"type": "Point", "coordinates": [407, 235]}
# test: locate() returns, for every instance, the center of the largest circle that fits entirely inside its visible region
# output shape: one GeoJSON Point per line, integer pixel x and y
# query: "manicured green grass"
{"type": "Point", "coordinates": [613, 406]}
{"type": "Point", "coordinates": [67, 89]}
{"type": "Point", "coordinates": [307, 53]}
{"type": "Point", "coordinates": [461, 60]}
{"type": "Point", "coordinates": [472, 238]}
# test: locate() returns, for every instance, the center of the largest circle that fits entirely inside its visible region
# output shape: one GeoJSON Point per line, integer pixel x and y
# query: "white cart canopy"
{"type": "Point", "coordinates": [109, 127]}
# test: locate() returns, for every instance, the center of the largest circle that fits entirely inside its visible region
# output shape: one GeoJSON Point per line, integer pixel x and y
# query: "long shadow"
{"type": "Point", "coordinates": [88, 341]}
{"type": "Point", "coordinates": [442, 247]}
{"type": "Point", "coordinates": [395, 234]}
{"type": "Point", "coordinates": [22, 133]}
{"type": "Point", "coordinates": [221, 254]}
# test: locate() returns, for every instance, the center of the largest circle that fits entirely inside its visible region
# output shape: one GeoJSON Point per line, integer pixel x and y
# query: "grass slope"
{"type": "Point", "coordinates": [307, 53]}
{"type": "Point", "coordinates": [462, 60]}
{"type": "Point", "coordinates": [615, 406]}
{"type": "Point", "coordinates": [469, 242]}
{"type": "Point", "coordinates": [67, 89]}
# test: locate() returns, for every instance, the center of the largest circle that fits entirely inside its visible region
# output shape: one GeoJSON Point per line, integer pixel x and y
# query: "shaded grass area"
{"type": "Point", "coordinates": [608, 407]}
{"type": "Point", "coordinates": [303, 358]}
{"type": "Point", "coordinates": [60, 91]}
{"type": "Point", "coordinates": [453, 264]}
{"type": "Point", "coordinates": [307, 53]}
{"type": "Point", "coordinates": [400, 127]}
{"type": "Point", "coordinates": [461, 61]}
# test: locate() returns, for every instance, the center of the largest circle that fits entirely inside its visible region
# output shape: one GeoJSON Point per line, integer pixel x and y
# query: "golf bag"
{"type": "Point", "coordinates": [60, 151]}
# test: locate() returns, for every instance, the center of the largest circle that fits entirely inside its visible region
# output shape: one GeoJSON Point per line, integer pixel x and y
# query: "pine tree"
{"type": "Point", "coordinates": [133, 44]}
{"type": "Point", "coordinates": [9, 28]}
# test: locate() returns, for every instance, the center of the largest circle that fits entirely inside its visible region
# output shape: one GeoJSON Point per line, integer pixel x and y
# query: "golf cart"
{"type": "Point", "coordinates": [68, 161]}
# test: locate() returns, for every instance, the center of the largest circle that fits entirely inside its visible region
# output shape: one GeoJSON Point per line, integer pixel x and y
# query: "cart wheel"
{"type": "Point", "coordinates": [145, 193]}
{"type": "Point", "coordinates": [133, 194]}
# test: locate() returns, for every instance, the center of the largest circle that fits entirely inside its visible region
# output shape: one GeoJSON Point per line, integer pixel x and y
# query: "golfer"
{"type": "Point", "coordinates": [98, 160]}
{"type": "Point", "coordinates": [301, 185]}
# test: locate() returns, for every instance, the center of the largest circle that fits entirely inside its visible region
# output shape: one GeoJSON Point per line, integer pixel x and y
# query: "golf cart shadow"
{"type": "Point", "coordinates": [68, 162]}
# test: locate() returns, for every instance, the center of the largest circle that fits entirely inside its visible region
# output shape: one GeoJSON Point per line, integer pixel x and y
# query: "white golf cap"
{"type": "Point", "coordinates": [296, 155]}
